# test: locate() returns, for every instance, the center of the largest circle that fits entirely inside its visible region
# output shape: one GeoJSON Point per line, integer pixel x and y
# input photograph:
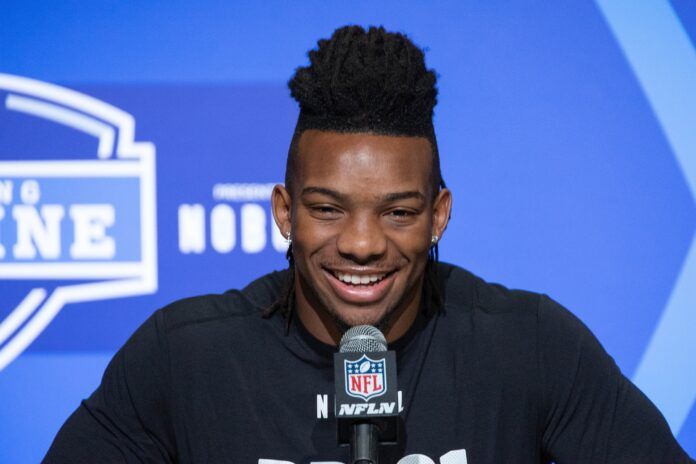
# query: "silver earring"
{"type": "Point", "coordinates": [434, 239]}
{"type": "Point", "coordinates": [289, 238]}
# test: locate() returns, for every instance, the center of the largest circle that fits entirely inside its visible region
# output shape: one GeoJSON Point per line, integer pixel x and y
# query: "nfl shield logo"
{"type": "Point", "coordinates": [366, 378]}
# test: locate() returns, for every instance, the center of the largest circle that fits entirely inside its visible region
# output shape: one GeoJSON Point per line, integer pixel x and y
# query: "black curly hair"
{"type": "Point", "coordinates": [365, 81]}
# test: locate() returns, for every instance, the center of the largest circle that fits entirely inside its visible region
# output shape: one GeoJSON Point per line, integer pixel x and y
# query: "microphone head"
{"type": "Point", "coordinates": [362, 339]}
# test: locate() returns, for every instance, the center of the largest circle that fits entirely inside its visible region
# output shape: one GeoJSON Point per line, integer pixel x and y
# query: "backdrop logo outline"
{"type": "Point", "coordinates": [118, 156]}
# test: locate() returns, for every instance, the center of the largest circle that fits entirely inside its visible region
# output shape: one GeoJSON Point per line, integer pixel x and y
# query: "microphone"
{"type": "Point", "coordinates": [366, 393]}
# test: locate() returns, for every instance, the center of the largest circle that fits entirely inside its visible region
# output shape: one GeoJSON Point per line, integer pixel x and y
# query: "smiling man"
{"type": "Point", "coordinates": [366, 210]}
{"type": "Point", "coordinates": [486, 374]}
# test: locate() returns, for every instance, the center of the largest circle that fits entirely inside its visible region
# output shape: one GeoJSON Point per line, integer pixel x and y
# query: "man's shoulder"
{"type": "Point", "coordinates": [465, 290]}
{"type": "Point", "coordinates": [231, 305]}
{"type": "Point", "coordinates": [497, 307]}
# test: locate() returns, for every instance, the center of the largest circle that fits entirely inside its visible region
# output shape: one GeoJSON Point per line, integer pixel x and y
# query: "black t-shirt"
{"type": "Point", "coordinates": [498, 376]}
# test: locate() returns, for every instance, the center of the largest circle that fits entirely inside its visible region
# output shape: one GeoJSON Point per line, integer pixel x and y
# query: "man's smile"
{"type": "Point", "coordinates": [361, 288]}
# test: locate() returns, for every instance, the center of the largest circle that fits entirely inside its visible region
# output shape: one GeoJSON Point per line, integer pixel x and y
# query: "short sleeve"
{"type": "Point", "coordinates": [591, 412]}
{"type": "Point", "coordinates": [128, 417]}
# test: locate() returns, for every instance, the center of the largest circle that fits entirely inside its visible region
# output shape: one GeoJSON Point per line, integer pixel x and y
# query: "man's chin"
{"type": "Point", "coordinates": [345, 322]}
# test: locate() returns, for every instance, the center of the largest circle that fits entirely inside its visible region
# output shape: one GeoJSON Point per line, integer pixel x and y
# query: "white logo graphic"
{"type": "Point", "coordinates": [452, 457]}
{"type": "Point", "coordinates": [350, 409]}
{"type": "Point", "coordinates": [79, 220]}
{"type": "Point", "coordinates": [242, 206]}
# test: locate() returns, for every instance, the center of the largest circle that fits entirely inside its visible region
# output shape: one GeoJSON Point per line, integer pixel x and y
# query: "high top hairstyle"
{"type": "Point", "coordinates": [365, 81]}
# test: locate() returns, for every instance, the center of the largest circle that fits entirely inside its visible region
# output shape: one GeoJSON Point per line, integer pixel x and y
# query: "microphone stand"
{"type": "Point", "coordinates": [364, 443]}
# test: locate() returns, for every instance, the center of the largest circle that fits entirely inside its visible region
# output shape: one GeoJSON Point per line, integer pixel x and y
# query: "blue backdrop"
{"type": "Point", "coordinates": [565, 130]}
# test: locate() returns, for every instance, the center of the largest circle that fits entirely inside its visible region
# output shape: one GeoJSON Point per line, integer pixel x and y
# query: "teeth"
{"type": "Point", "coordinates": [359, 280]}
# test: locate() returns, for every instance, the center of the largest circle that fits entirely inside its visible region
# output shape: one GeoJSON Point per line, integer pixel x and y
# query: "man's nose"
{"type": "Point", "coordinates": [362, 239]}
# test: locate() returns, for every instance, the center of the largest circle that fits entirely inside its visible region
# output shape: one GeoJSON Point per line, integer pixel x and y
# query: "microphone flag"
{"type": "Point", "coordinates": [366, 390]}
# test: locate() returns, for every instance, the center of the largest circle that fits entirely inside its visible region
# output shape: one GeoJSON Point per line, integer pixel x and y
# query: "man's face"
{"type": "Point", "coordinates": [362, 216]}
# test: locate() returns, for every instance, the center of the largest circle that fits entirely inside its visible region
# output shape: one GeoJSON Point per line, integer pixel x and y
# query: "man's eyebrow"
{"type": "Point", "coordinates": [389, 197]}
{"type": "Point", "coordinates": [324, 191]}
{"type": "Point", "coordinates": [403, 196]}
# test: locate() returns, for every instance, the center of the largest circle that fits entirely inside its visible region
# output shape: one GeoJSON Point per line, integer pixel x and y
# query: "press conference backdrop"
{"type": "Point", "coordinates": [139, 142]}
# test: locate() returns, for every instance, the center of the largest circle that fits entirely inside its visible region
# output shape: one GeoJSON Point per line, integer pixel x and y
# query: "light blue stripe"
{"type": "Point", "coordinates": [664, 61]}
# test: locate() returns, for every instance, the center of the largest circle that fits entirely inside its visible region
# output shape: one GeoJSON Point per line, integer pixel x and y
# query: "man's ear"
{"type": "Point", "coordinates": [442, 208]}
{"type": "Point", "coordinates": [281, 204]}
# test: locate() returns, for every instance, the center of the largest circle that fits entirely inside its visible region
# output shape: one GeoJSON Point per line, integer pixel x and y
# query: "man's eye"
{"type": "Point", "coordinates": [325, 211]}
{"type": "Point", "coordinates": [401, 214]}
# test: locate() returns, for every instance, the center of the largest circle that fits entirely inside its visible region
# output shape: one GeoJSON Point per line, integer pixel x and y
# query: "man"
{"type": "Point", "coordinates": [487, 375]}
